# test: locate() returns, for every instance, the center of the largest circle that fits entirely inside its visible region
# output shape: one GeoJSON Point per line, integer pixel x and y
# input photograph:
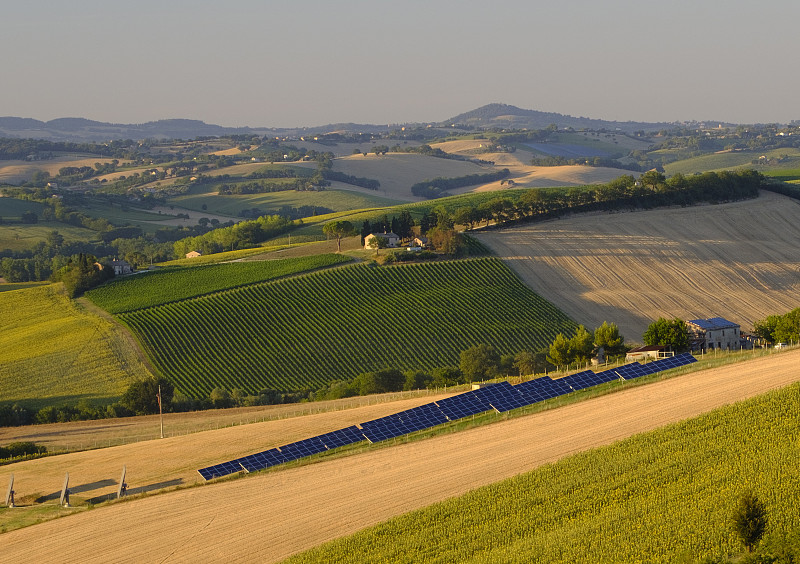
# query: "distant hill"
{"type": "Point", "coordinates": [488, 116]}
{"type": "Point", "coordinates": [512, 117]}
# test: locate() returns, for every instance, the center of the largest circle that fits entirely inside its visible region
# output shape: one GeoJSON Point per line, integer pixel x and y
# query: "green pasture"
{"type": "Point", "coordinates": [156, 287]}
{"type": "Point", "coordinates": [12, 208]}
{"type": "Point", "coordinates": [787, 175]}
{"type": "Point", "coordinates": [122, 214]}
{"type": "Point", "coordinates": [734, 160]}
{"type": "Point", "coordinates": [659, 497]}
{"type": "Point", "coordinates": [52, 352]}
{"type": "Point", "coordinates": [305, 331]}
{"type": "Point", "coordinates": [23, 236]}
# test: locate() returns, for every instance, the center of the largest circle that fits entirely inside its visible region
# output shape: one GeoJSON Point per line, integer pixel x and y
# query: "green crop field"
{"type": "Point", "coordinates": [172, 284]}
{"type": "Point", "coordinates": [53, 352]}
{"type": "Point", "coordinates": [333, 324]}
{"type": "Point", "coordinates": [664, 496]}
{"type": "Point", "coordinates": [231, 205]}
{"type": "Point", "coordinates": [791, 175]}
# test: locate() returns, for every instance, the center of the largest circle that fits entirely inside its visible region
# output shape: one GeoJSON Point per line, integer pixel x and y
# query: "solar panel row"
{"type": "Point", "coordinates": [500, 397]}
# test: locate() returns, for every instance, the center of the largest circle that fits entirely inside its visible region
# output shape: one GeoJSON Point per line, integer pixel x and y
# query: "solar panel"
{"type": "Point", "coordinates": [342, 437]}
{"type": "Point", "coordinates": [462, 405]}
{"type": "Point", "coordinates": [560, 386]}
{"type": "Point", "coordinates": [580, 380]}
{"type": "Point", "coordinates": [501, 397]}
{"type": "Point", "coordinates": [537, 390]}
{"type": "Point", "coordinates": [301, 449]}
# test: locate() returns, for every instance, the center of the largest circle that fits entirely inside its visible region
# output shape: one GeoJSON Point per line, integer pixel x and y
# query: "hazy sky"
{"type": "Point", "coordinates": [313, 62]}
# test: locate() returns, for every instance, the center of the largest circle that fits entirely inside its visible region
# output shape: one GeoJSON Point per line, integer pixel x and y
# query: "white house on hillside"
{"type": "Point", "coordinates": [392, 240]}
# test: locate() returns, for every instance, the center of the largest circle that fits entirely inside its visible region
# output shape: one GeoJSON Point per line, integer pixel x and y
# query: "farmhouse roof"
{"type": "Point", "coordinates": [713, 323]}
{"type": "Point", "coordinates": [647, 348]}
{"type": "Point", "coordinates": [388, 235]}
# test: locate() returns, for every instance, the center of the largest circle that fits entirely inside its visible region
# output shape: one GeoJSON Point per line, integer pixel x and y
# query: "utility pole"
{"type": "Point", "coordinates": [160, 412]}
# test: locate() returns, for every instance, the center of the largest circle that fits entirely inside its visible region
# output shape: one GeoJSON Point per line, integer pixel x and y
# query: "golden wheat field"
{"type": "Point", "coordinates": [739, 261]}
{"type": "Point", "coordinates": [267, 517]}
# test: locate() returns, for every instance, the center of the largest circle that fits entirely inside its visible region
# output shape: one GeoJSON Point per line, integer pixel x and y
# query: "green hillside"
{"type": "Point", "coordinates": [333, 324]}
{"type": "Point", "coordinates": [173, 284]}
{"type": "Point", "coordinates": [661, 497]}
{"type": "Point", "coordinates": [53, 352]}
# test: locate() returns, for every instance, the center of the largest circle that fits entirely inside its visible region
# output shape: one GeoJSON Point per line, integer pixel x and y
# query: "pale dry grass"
{"type": "Point", "coordinates": [398, 171]}
{"type": "Point", "coordinates": [16, 172]}
{"type": "Point", "coordinates": [268, 517]}
{"type": "Point", "coordinates": [739, 261]}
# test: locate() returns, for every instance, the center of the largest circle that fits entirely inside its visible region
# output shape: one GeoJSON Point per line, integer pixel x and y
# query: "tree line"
{"type": "Point", "coordinates": [437, 187]}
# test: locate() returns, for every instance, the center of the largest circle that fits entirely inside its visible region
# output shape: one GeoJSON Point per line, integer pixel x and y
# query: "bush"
{"type": "Point", "coordinates": [15, 450]}
{"type": "Point", "coordinates": [141, 397]}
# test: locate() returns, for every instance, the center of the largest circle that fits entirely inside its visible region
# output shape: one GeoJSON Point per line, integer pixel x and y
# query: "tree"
{"type": "Point", "coordinates": [750, 520]}
{"type": "Point", "coordinates": [141, 397]}
{"type": "Point", "coordinates": [378, 242]}
{"type": "Point", "coordinates": [669, 333]}
{"type": "Point", "coordinates": [582, 345]}
{"type": "Point", "coordinates": [525, 363]}
{"type": "Point", "coordinates": [339, 229]}
{"type": "Point", "coordinates": [608, 337]}
{"type": "Point", "coordinates": [446, 376]}
{"type": "Point", "coordinates": [561, 353]}
{"type": "Point", "coordinates": [446, 241]}
{"type": "Point", "coordinates": [766, 328]}
{"type": "Point", "coordinates": [479, 363]}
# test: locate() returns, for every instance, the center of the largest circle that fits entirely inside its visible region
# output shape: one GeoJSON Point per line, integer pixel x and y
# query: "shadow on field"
{"type": "Point", "coordinates": [134, 491]}
{"type": "Point", "coordinates": [78, 489]}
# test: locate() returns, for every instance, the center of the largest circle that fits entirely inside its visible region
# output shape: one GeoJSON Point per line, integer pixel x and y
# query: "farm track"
{"type": "Point", "coordinates": [268, 517]}
{"type": "Point", "coordinates": [739, 261]}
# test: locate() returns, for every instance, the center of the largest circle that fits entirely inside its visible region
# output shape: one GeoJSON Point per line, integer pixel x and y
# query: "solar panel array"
{"type": "Point", "coordinates": [500, 397]}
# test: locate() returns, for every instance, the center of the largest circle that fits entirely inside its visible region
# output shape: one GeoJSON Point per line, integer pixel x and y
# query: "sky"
{"type": "Point", "coordinates": [263, 63]}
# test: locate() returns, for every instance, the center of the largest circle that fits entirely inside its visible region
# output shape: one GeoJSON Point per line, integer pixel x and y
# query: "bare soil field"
{"type": "Point", "coordinates": [739, 261]}
{"type": "Point", "coordinates": [267, 517]}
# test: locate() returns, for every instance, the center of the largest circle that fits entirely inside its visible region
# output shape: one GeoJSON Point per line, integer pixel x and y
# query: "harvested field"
{"type": "Point", "coordinates": [739, 261]}
{"type": "Point", "coordinates": [17, 172]}
{"type": "Point", "coordinates": [398, 171]}
{"type": "Point", "coordinates": [162, 463]}
{"type": "Point", "coordinates": [268, 517]}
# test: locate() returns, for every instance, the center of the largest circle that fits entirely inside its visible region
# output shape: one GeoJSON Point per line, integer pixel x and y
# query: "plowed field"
{"type": "Point", "coordinates": [740, 261]}
{"type": "Point", "coordinates": [267, 517]}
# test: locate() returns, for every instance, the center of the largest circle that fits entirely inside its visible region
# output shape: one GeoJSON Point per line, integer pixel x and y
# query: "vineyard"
{"type": "Point", "coordinates": [663, 496]}
{"type": "Point", "coordinates": [172, 284]}
{"type": "Point", "coordinates": [309, 330]}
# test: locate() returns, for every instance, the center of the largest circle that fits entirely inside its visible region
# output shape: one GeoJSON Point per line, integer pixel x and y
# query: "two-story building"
{"type": "Point", "coordinates": [714, 333]}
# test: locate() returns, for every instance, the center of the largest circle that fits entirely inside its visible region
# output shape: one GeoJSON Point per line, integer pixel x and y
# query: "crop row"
{"type": "Point", "coordinates": [663, 496]}
{"type": "Point", "coordinates": [172, 284]}
{"type": "Point", "coordinates": [334, 324]}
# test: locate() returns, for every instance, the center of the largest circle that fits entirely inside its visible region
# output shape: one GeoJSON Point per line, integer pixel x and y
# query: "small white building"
{"type": "Point", "coordinates": [121, 267]}
{"type": "Point", "coordinates": [194, 254]}
{"type": "Point", "coordinates": [392, 240]}
{"type": "Point", "coordinates": [649, 352]}
{"type": "Point", "coordinates": [715, 333]}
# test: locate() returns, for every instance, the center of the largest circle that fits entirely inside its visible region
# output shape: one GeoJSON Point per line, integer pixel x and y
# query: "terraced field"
{"type": "Point", "coordinates": [334, 324]}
